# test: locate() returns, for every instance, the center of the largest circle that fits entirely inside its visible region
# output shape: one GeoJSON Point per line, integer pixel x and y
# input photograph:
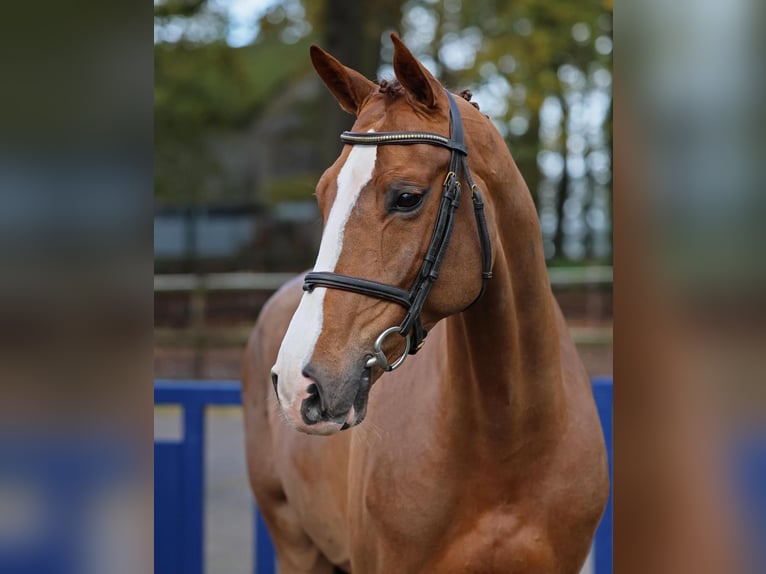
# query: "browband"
{"type": "Point", "coordinates": [401, 138]}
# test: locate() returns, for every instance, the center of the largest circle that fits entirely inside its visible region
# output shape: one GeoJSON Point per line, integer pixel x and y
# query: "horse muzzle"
{"type": "Point", "coordinates": [326, 406]}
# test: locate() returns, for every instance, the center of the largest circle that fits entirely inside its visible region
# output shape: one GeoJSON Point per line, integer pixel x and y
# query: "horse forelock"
{"type": "Point", "coordinates": [394, 89]}
{"type": "Point", "coordinates": [391, 87]}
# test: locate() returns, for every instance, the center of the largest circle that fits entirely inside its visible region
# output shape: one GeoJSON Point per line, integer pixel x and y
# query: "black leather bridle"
{"type": "Point", "coordinates": [413, 300]}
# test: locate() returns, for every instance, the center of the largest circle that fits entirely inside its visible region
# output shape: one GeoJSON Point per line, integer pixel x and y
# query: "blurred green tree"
{"type": "Point", "coordinates": [540, 70]}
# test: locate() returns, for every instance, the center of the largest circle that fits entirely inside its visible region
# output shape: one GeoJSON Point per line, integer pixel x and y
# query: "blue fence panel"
{"type": "Point", "coordinates": [603, 552]}
{"type": "Point", "coordinates": [169, 514]}
{"type": "Point", "coordinates": [748, 469]}
{"type": "Point", "coordinates": [179, 481]}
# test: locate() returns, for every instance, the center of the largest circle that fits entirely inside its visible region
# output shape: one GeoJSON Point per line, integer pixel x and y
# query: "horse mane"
{"type": "Point", "coordinates": [393, 88]}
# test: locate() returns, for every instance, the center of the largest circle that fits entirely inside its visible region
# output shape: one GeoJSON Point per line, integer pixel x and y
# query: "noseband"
{"type": "Point", "coordinates": [413, 300]}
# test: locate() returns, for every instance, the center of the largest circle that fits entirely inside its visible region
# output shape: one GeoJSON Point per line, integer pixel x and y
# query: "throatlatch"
{"type": "Point", "coordinates": [413, 300]}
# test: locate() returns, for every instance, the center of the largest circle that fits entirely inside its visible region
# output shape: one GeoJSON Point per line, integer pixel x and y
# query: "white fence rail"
{"type": "Point", "coordinates": [246, 281]}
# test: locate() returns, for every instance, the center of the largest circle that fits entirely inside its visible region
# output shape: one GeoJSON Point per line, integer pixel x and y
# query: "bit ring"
{"type": "Point", "coordinates": [380, 359]}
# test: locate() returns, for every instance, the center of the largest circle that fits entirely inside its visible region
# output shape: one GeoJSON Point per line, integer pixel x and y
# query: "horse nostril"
{"type": "Point", "coordinates": [274, 378]}
{"type": "Point", "coordinates": [311, 410]}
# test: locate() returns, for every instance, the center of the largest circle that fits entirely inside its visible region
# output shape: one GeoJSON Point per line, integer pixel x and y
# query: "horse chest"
{"type": "Point", "coordinates": [423, 528]}
{"type": "Point", "coordinates": [411, 494]}
{"type": "Point", "coordinates": [396, 490]}
{"type": "Point", "coordinates": [405, 477]}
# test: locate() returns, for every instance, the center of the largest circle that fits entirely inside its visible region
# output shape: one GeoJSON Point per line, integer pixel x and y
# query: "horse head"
{"type": "Point", "coordinates": [393, 225]}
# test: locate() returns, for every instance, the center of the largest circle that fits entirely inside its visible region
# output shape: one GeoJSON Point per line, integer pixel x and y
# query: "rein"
{"type": "Point", "coordinates": [411, 327]}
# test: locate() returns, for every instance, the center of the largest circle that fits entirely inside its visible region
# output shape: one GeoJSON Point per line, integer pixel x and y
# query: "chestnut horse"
{"type": "Point", "coordinates": [483, 452]}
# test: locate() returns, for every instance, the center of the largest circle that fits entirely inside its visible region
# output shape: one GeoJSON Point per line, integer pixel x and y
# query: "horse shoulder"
{"type": "Point", "coordinates": [272, 448]}
{"type": "Point", "coordinates": [257, 400]}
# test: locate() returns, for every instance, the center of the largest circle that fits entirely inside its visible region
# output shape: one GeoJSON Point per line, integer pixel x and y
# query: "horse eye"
{"type": "Point", "coordinates": [407, 201]}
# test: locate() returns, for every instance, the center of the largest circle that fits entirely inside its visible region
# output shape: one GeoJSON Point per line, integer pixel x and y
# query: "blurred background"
{"type": "Point", "coordinates": [244, 128]}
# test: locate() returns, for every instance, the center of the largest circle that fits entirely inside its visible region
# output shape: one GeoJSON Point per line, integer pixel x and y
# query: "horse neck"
{"type": "Point", "coordinates": [503, 353]}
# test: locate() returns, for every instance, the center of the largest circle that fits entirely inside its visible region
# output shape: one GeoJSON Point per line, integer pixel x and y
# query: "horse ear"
{"type": "Point", "coordinates": [349, 87]}
{"type": "Point", "coordinates": [414, 76]}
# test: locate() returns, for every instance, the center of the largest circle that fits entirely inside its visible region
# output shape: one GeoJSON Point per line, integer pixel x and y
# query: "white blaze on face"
{"type": "Point", "coordinates": [306, 325]}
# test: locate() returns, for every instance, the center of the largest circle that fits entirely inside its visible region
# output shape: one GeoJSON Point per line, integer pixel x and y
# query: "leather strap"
{"type": "Point", "coordinates": [357, 285]}
{"type": "Point", "coordinates": [484, 241]}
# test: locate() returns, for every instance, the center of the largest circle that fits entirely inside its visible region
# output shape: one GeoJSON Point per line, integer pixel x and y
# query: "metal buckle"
{"type": "Point", "coordinates": [380, 358]}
